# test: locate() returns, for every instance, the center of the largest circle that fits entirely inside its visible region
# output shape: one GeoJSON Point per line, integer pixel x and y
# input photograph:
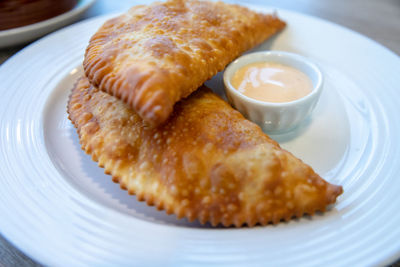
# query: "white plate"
{"type": "Point", "coordinates": [27, 33]}
{"type": "Point", "coordinates": [58, 207]}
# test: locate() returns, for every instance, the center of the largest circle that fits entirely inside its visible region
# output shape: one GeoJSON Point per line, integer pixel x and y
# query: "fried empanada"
{"type": "Point", "coordinates": [207, 162]}
{"type": "Point", "coordinates": [153, 56]}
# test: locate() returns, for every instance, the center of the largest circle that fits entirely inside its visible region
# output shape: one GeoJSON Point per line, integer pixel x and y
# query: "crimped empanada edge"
{"type": "Point", "coordinates": [100, 72]}
{"type": "Point", "coordinates": [181, 210]}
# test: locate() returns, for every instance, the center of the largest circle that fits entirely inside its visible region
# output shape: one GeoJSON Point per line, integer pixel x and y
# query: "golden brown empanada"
{"type": "Point", "coordinates": [153, 56]}
{"type": "Point", "coordinates": [207, 162]}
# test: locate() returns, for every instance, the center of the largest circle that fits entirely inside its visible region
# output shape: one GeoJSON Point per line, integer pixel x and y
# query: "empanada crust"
{"type": "Point", "coordinates": [153, 56]}
{"type": "Point", "coordinates": [207, 162]}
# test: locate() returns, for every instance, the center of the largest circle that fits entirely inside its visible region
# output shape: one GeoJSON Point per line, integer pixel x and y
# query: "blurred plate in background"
{"type": "Point", "coordinates": [28, 33]}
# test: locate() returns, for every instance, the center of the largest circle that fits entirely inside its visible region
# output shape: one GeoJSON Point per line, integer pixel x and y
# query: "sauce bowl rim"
{"type": "Point", "coordinates": [262, 56]}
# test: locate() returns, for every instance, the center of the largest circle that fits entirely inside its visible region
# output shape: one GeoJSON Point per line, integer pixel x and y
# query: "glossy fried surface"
{"type": "Point", "coordinates": [155, 55]}
{"type": "Point", "coordinates": [207, 162]}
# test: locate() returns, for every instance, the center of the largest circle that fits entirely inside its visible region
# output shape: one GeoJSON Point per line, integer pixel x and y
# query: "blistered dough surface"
{"type": "Point", "coordinates": [153, 56]}
{"type": "Point", "coordinates": [207, 162]}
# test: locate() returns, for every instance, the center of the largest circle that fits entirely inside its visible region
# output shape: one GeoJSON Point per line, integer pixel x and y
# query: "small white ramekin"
{"type": "Point", "coordinates": [275, 118]}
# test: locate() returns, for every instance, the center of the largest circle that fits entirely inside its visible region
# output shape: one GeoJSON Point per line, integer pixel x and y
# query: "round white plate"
{"type": "Point", "coordinates": [27, 33]}
{"type": "Point", "coordinates": [58, 207]}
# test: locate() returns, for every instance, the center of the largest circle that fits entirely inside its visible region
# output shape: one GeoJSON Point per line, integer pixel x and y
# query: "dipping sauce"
{"type": "Point", "coordinates": [271, 82]}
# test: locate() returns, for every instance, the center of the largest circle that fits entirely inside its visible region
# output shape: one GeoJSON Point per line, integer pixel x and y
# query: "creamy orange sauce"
{"type": "Point", "coordinates": [271, 82]}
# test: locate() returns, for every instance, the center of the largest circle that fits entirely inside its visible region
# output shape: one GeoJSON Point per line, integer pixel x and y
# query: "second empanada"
{"type": "Point", "coordinates": [155, 55]}
{"type": "Point", "coordinates": [207, 162]}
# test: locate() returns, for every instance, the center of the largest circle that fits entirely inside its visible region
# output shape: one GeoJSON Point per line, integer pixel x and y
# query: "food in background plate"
{"type": "Point", "coordinates": [207, 162]}
{"type": "Point", "coordinates": [17, 13]}
{"type": "Point", "coordinates": [155, 55]}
